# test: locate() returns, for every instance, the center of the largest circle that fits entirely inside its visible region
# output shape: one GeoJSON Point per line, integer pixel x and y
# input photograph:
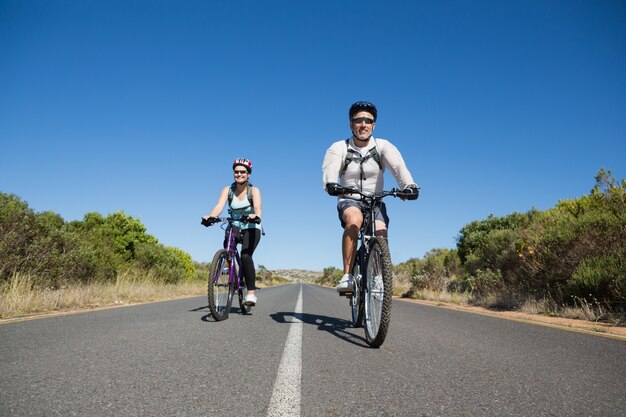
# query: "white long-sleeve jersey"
{"type": "Point", "coordinates": [372, 178]}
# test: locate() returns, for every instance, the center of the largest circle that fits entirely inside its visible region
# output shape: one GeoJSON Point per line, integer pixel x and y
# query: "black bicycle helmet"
{"type": "Point", "coordinates": [363, 106]}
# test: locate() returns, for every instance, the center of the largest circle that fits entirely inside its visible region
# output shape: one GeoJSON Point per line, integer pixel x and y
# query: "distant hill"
{"type": "Point", "coordinates": [297, 275]}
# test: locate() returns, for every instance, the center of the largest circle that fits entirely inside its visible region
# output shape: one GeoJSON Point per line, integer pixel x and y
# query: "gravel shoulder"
{"type": "Point", "coordinates": [602, 329]}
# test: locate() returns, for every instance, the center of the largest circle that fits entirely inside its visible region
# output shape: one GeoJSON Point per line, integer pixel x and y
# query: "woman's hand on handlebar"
{"type": "Point", "coordinates": [251, 218]}
{"type": "Point", "coordinates": [209, 221]}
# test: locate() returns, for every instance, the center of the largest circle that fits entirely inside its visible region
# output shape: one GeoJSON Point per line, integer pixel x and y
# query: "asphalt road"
{"type": "Point", "coordinates": [297, 355]}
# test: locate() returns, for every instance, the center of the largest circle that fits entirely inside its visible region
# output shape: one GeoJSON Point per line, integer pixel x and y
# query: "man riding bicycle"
{"type": "Point", "coordinates": [359, 162]}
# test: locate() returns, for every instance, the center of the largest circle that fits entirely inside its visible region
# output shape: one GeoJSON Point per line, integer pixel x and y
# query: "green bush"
{"type": "Point", "coordinates": [436, 272]}
{"type": "Point", "coordinates": [490, 244]}
{"type": "Point", "coordinates": [55, 253]}
{"type": "Point", "coordinates": [39, 245]}
{"type": "Point", "coordinates": [330, 276]}
{"type": "Point", "coordinates": [485, 282]}
{"type": "Point", "coordinates": [603, 278]}
{"type": "Point", "coordinates": [164, 265]}
{"type": "Point", "coordinates": [576, 235]}
{"type": "Point", "coordinates": [185, 261]}
{"type": "Point", "coordinates": [575, 249]}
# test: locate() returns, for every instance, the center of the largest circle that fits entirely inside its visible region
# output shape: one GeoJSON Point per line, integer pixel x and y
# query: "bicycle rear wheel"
{"type": "Point", "coordinates": [378, 291]}
{"type": "Point", "coordinates": [356, 300]}
{"type": "Point", "coordinates": [220, 286]}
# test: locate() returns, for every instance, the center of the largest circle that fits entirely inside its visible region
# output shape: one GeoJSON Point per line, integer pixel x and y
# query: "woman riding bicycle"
{"type": "Point", "coordinates": [244, 200]}
{"type": "Point", "coordinates": [359, 162]}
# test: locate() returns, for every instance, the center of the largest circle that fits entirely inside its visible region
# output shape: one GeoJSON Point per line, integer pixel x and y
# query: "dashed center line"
{"type": "Point", "coordinates": [285, 399]}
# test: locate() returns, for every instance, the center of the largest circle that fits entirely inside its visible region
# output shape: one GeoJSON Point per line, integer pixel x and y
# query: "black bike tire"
{"type": "Point", "coordinates": [356, 300]}
{"type": "Point", "coordinates": [243, 291]}
{"type": "Point", "coordinates": [219, 312]}
{"type": "Point", "coordinates": [245, 309]}
{"type": "Point", "coordinates": [379, 248]}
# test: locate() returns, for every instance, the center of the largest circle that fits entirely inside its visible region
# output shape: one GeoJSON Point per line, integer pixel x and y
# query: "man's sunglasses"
{"type": "Point", "coordinates": [241, 172]}
{"type": "Point", "coordinates": [365, 120]}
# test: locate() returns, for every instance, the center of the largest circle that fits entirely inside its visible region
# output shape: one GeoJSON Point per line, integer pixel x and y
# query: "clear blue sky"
{"type": "Point", "coordinates": [140, 106]}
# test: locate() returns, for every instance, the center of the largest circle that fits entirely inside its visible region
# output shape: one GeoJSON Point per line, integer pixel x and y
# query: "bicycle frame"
{"type": "Point", "coordinates": [371, 299]}
{"type": "Point", "coordinates": [369, 224]}
{"type": "Point", "coordinates": [231, 248]}
{"type": "Point", "coordinates": [368, 228]}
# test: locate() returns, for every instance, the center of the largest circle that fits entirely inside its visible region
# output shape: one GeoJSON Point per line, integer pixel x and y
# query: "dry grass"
{"type": "Point", "coordinates": [584, 310]}
{"type": "Point", "coordinates": [271, 282]}
{"type": "Point", "coordinates": [19, 297]}
{"type": "Point", "coordinates": [442, 296]}
{"type": "Point", "coordinates": [592, 311]}
{"type": "Point", "coordinates": [401, 284]}
{"type": "Point", "coordinates": [403, 287]}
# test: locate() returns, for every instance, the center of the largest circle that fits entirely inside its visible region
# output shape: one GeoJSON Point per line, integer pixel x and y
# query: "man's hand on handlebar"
{"type": "Point", "coordinates": [411, 192]}
{"type": "Point", "coordinates": [334, 189]}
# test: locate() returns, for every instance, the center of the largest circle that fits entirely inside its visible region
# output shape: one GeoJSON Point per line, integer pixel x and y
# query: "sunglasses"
{"type": "Point", "coordinates": [240, 172]}
{"type": "Point", "coordinates": [365, 120]}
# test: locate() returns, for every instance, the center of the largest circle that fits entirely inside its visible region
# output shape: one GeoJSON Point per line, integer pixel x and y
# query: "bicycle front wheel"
{"type": "Point", "coordinates": [356, 300]}
{"type": "Point", "coordinates": [220, 286]}
{"type": "Point", "coordinates": [378, 291]}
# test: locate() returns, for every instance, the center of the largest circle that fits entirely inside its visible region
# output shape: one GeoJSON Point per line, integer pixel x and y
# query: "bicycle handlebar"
{"type": "Point", "coordinates": [243, 219]}
{"type": "Point", "coordinates": [377, 196]}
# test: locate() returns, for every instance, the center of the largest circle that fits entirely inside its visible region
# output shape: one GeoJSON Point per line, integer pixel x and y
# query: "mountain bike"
{"type": "Point", "coordinates": [225, 274]}
{"type": "Point", "coordinates": [370, 301]}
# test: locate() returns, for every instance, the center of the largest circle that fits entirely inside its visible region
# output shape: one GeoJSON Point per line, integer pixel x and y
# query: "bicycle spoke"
{"type": "Point", "coordinates": [374, 292]}
{"type": "Point", "coordinates": [356, 301]}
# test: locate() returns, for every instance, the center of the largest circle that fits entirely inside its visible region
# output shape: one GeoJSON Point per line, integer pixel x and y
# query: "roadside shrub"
{"type": "Point", "coordinates": [330, 276]}
{"type": "Point", "coordinates": [201, 271]}
{"type": "Point", "coordinates": [490, 244]}
{"type": "Point", "coordinates": [39, 245]}
{"type": "Point", "coordinates": [565, 251]}
{"type": "Point", "coordinates": [570, 252]}
{"type": "Point", "coordinates": [485, 282]}
{"type": "Point", "coordinates": [54, 253]}
{"type": "Point", "coordinates": [434, 272]}
{"type": "Point", "coordinates": [604, 277]}
{"type": "Point", "coordinates": [162, 264]}
{"type": "Point", "coordinates": [184, 260]}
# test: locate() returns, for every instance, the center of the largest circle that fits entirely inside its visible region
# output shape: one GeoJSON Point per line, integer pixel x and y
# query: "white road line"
{"type": "Point", "coordinates": [286, 395]}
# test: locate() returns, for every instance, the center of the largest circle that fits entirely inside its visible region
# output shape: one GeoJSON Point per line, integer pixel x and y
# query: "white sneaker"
{"type": "Point", "coordinates": [346, 284]}
{"type": "Point", "coordinates": [379, 288]}
{"type": "Point", "coordinates": [250, 300]}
